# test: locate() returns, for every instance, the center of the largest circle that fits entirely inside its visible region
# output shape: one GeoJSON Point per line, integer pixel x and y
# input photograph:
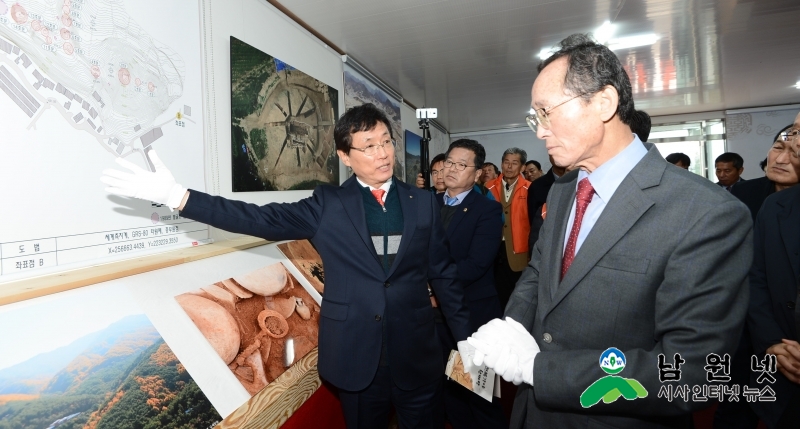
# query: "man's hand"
{"type": "Point", "coordinates": [787, 354]}
{"type": "Point", "coordinates": [467, 353]}
{"type": "Point", "coordinates": [158, 186]}
{"type": "Point", "coordinates": [420, 181]}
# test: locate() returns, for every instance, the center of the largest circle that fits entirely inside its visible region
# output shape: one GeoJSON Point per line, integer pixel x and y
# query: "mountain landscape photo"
{"type": "Point", "coordinates": [123, 376]}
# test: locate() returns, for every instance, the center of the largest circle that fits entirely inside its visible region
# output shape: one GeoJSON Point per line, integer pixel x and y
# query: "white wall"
{"type": "Point", "coordinates": [750, 132]}
{"type": "Point", "coordinates": [497, 141]}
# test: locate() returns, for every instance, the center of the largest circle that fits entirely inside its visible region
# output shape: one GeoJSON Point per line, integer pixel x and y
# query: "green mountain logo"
{"type": "Point", "coordinates": [609, 388]}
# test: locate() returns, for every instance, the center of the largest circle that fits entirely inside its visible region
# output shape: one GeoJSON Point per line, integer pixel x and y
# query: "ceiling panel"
{"type": "Point", "coordinates": [476, 60]}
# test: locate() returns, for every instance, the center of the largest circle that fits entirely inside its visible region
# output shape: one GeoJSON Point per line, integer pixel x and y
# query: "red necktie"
{"type": "Point", "coordinates": [582, 198]}
{"type": "Point", "coordinates": [378, 194]}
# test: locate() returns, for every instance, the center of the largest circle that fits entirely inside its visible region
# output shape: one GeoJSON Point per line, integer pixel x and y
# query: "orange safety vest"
{"type": "Point", "coordinates": [520, 224]}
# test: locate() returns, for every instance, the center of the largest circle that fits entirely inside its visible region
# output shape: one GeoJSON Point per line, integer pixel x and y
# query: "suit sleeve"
{"type": "Point", "coordinates": [443, 277]}
{"type": "Point", "coordinates": [485, 241]}
{"type": "Point", "coordinates": [273, 221]}
{"type": "Point", "coordinates": [699, 308]}
{"type": "Point", "coordinates": [764, 329]}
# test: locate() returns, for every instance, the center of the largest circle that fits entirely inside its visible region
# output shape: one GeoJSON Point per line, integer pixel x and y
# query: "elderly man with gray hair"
{"type": "Point", "coordinates": [511, 189]}
{"type": "Point", "coordinates": [621, 277]}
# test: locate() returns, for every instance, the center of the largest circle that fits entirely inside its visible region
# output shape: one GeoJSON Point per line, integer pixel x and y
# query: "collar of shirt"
{"type": "Point", "coordinates": [556, 176]}
{"type": "Point", "coordinates": [606, 179]}
{"type": "Point", "coordinates": [459, 198]}
{"type": "Point", "coordinates": [386, 186]}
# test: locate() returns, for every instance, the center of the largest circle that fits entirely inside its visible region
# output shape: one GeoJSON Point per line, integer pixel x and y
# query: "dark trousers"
{"type": "Point", "coordinates": [505, 279]}
{"type": "Point", "coordinates": [464, 409]}
{"type": "Point", "coordinates": [370, 408]}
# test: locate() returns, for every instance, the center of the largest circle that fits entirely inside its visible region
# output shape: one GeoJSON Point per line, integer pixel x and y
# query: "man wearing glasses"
{"type": "Point", "coordinates": [618, 263]}
{"type": "Point", "coordinates": [774, 315]}
{"type": "Point", "coordinates": [473, 227]}
{"type": "Point", "coordinates": [381, 242]}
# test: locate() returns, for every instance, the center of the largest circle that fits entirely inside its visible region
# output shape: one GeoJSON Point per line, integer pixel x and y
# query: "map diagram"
{"type": "Point", "coordinates": [82, 82]}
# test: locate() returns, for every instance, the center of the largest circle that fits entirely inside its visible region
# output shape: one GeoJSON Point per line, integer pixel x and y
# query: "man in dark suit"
{"type": "Point", "coordinates": [473, 225]}
{"type": "Point", "coordinates": [381, 242]}
{"type": "Point", "coordinates": [729, 168]}
{"type": "Point", "coordinates": [619, 267]}
{"type": "Point", "coordinates": [537, 196]}
{"type": "Point", "coordinates": [773, 317]}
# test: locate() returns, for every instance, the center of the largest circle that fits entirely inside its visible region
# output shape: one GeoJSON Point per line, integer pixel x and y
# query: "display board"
{"type": "Point", "coordinates": [84, 82]}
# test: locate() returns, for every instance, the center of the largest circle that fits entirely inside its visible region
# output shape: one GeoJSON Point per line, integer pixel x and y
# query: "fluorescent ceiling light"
{"type": "Point", "coordinates": [531, 112]}
{"type": "Point", "coordinates": [632, 41]}
{"type": "Point", "coordinates": [669, 134]}
{"type": "Point", "coordinates": [797, 85]}
{"type": "Point", "coordinates": [603, 36]}
{"type": "Point", "coordinates": [604, 32]}
{"type": "Point", "coordinates": [546, 52]}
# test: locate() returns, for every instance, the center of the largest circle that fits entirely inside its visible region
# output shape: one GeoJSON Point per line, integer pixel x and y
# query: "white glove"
{"type": "Point", "coordinates": [525, 349]}
{"type": "Point", "coordinates": [158, 186]}
{"type": "Point", "coordinates": [467, 352]}
{"type": "Point", "coordinates": [488, 341]}
{"type": "Point", "coordinates": [508, 348]}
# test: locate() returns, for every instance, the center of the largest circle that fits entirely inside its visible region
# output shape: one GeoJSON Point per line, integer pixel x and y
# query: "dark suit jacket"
{"type": "Point", "coordinates": [473, 239]}
{"type": "Point", "coordinates": [537, 196]}
{"type": "Point", "coordinates": [359, 296]}
{"type": "Point", "coordinates": [753, 193]}
{"type": "Point", "coordinates": [773, 288]}
{"type": "Point", "coordinates": [653, 276]}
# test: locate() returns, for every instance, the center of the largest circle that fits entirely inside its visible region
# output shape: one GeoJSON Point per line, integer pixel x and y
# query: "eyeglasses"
{"type": "Point", "coordinates": [372, 149]}
{"type": "Point", "coordinates": [437, 172]}
{"type": "Point", "coordinates": [460, 166]}
{"type": "Point", "coordinates": [539, 117]}
{"type": "Point", "coordinates": [789, 135]}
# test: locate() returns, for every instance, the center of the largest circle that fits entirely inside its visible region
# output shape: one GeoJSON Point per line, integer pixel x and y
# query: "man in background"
{"type": "Point", "coordinates": [729, 168]}
{"type": "Point", "coordinates": [537, 196]}
{"type": "Point", "coordinates": [679, 160]}
{"type": "Point", "coordinates": [473, 228]}
{"type": "Point", "coordinates": [511, 190]}
{"type": "Point", "coordinates": [782, 170]}
{"type": "Point", "coordinates": [490, 172]}
{"type": "Point", "coordinates": [640, 124]}
{"type": "Point", "coordinates": [437, 175]}
{"type": "Point", "coordinates": [774, 314]}
{"type": "Point", "coordinates": [532, 171]}
{"type": "Point", "coordinates": [618, 263]}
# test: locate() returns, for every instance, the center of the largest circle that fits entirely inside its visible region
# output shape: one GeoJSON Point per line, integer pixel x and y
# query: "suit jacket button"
{"type": "Point", "coordinates": [386, 284]}
{"type": "Point", "coordinates": [378, 317]}
{"type": "Point", "coordinates": [790, 305]}
{"type": "Point", "coordinates": [547, 338]}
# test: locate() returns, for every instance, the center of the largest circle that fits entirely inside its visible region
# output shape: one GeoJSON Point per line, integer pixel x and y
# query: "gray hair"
{"type": "Point", "coordinates": [523, 156]}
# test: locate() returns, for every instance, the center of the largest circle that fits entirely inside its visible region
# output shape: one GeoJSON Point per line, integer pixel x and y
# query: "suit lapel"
{"type": "Point", "coordinates": [790, 234]}
{"type": "Point", "coordinates": [461, 213]}
{"type": "Point", "coordinates": [353, 203]}
{"type": "Point", "coordinates": [409, 206]}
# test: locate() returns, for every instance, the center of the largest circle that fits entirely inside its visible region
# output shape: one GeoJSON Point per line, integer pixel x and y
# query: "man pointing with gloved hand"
{"type": "Point", "coordinates": [381, 242]}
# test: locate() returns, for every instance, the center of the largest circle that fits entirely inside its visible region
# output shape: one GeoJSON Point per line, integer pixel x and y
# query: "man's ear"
{"type": "Point", "coordinates": [608, 99]}
{"type": "Point", "coordinates": [344, 157]}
